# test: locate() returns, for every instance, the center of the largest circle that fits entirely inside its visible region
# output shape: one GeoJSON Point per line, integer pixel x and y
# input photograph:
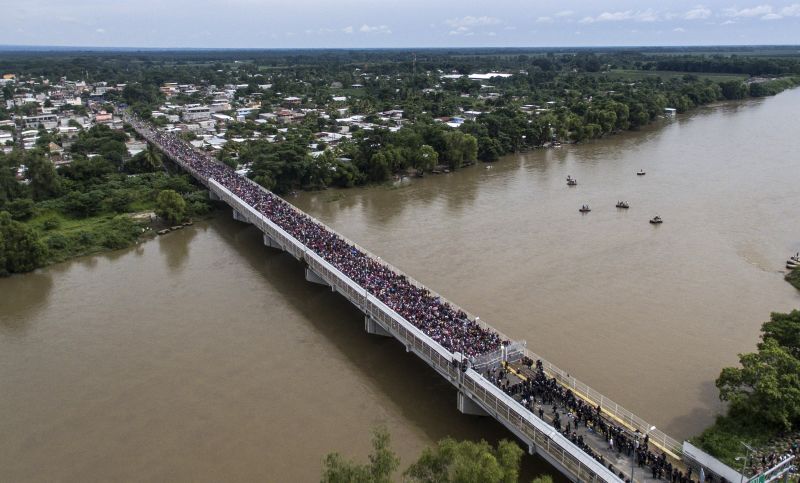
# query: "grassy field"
{"type": "Point", "coordinates": [634, 75]}
{"type": "Point", "coordinates": [68, 237]}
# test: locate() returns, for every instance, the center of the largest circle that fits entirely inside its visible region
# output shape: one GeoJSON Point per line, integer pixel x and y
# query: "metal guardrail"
{"type": "Point", "coordinates": [619, 413]}
{"type": "Point", "coordinates": [432, 352]}
{"type": "Point", "coordinates": [511, 413]}
{"type": "Point", "coordinates": [541, 435]}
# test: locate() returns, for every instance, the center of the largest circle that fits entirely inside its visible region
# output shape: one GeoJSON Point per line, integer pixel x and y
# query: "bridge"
{"type": "Point", "coordinates": [583, 455]}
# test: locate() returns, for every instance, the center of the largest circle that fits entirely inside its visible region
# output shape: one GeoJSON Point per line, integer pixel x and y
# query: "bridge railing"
{"type": "Point", "coordinates": [545, 437]}
{"type": "Point", "coordinates": [443, 362]}
{"type": "Point", "coordinates": [617, 412]}
{"type": "Point", "coordinates": [542, 435]}
{"type": "Point", "coordinates": [383, 262]}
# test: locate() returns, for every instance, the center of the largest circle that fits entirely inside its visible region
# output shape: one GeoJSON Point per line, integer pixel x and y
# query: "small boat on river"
{"type": "Point", "coordinates": [585, 209]}
{"type": "Point", "coordinates": [623, 204]}
{"type": "Point", "coordinates": [572, 182]}
{"type": "Point", "coordinates": [641, 172]}
{"type": "Point", "coordinates": [656, 220]}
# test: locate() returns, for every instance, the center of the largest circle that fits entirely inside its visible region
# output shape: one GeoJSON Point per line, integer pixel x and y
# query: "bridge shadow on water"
{"type": "Point", "coordinates": [421, 394]}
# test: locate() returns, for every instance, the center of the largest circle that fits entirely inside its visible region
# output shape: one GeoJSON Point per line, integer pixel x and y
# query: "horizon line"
{"type": "Point", "coordinates": [35, 47]}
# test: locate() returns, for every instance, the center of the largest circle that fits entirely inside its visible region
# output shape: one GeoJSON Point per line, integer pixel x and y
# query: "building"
{"type": "Point", "coordinates": [48, 121]}
{"type": "Point", "coordinates": [220, 105]}
{"type": "Point", "coordinates": [6, 138]}
{"type": "Point", "coordinates": [196, 113]}
{"type": "Point", "coordinates": [103, 117]}
{"type": "Point", "coordinates": [292, 101]}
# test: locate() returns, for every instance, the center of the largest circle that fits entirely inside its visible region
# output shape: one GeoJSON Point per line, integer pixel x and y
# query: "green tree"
{"type": "Point", "coordinates": [45, 182]}
{"type": "Point", "coordinates": [10, 188]}
{"type": "Point", "coordinates": [766, 387]}
{"type": "Point", "coordinates": [171, 206]}
{"type": "Point", "coordinates": [83, 204]}
{"type": "Point", "coordinates": [467, 462]}
{"type": "Point", "coordinates": [147, 161]}
{"type": "Point", "coordinates": [21, 250]}
{"type": "Point", "coordinates": [21, 209]}
{"type": "Point", "coordinates": [460, 149]}
{"type": "Point", "coordinates": [785, 329]}
{"type": "Point", "coordinates": [382, 463]}
{"type": "Point", "coordinates": [734, 89]}
{"type": "Point", "coordinates": [427, 158]}
{"type": "Point", "coordinates": [379, 168]}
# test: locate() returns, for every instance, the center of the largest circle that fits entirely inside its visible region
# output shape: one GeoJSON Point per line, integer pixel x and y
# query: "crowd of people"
{"type": "Point", "coordinates": [541, 394]}
{"type": "Point", "coordinates": [448, 326]}
{"type": "Point", "coordinates": [445, 324]}
{"type": "Point", "coordinates": [775, 453]}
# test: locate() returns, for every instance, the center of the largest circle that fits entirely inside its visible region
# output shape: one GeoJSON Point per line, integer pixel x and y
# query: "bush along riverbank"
{"type": "Point", "coordinates": [763, 396]}
{"type": "Point", "coordinates": [793, 278]}
{"type": "Point", "coordinates": [89, 206]}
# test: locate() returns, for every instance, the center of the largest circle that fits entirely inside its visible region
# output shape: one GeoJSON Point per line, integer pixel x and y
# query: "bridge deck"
{"type": "Point", "coordinates": [538, 433]}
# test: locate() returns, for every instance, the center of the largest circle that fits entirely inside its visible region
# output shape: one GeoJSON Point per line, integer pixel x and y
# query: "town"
{"type": "Point", "coordinates": [352, 123]}
{"type": "Point", "coordinates": [105, 151]}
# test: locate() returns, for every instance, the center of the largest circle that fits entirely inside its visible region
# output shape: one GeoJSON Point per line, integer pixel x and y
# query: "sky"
{"type": "Point", "coordinates": [395, 23]}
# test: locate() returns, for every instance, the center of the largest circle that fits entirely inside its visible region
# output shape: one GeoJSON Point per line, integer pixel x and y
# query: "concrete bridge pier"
{"type": "Point", "coordinates": [240, 217]}
{"type": "Point", "coordinates": [213, 196]}
{"type": "Point", "coordinates": [374, 328]}
{"type": "Point", "coordinates": [312, 277]}
{"type": "Point", "coordinates": [468, 406]}
{"type": "Point", "coordinates": [268, 241]}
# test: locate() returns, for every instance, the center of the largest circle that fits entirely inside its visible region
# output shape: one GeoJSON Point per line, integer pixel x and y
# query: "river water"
{"type": "Point", "coordinates": [201, 355]}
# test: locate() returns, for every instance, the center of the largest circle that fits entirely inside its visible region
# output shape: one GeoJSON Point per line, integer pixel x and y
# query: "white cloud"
{"type": "Point", "coordinates": [758, 11]}
{"type": "Point", "coordinates": [771, 16]}
{"type": "Point", "coordinates": [544, 20]}
{"type": "Point", "coordinates": [375, 29]}
{"type": "Point", "coordinates": [100, 31]}
{"type": "Point", "coordinates": [348, 29]}
{"type": "Point", "coordinates": [459, 31]}
{"type": "Point", "coordinates": [679, 29]}
{"type": "Point", "coordinates": [470, 21]}
{"type": "Point", "coordinates": [697, 13]}
{"type": "Point", "coordinates": [492, 34]}
{"type": "Point", "coordinates": [729, 22]}
{"type": "Point", "coordinates": [637, 16]}
{"type": "Point", "coordinates": [564, 13]}
{"type": "Point", "coordinates": [792, 10]}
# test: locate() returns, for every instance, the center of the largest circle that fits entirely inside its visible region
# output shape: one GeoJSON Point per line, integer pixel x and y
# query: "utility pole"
{"type": "Point", "coordinates": [746, 458]}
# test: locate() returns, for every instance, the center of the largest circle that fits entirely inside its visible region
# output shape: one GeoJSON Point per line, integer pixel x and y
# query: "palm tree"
{"type": "Point", "coordinates": [152, 158]}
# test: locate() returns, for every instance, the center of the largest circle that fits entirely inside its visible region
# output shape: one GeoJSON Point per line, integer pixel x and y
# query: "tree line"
{"type": "Point", "coordinates": [83, 207]}
{"type": "Point", "coordinates": [448, 461]}
{"type": "Point", "coordinates": [762, 393]}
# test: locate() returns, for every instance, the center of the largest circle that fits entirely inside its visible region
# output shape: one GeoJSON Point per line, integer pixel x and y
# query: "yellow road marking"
{"type": "Point", "coordinates": [589, 400]}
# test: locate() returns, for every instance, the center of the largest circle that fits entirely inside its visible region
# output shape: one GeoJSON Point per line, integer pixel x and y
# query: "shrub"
{"type": "Point", "coordinates": [57, 241]}
{"type": "Point", "coordinates": [51, 223]}
{"type": "Point", "coordinates": [21, 209]}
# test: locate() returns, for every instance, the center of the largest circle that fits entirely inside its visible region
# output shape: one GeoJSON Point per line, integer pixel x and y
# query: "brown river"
{"type": "Point", "coordinates": [203, 356]}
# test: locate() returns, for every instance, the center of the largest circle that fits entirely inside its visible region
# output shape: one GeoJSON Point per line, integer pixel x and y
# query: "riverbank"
{"type": "Point", "coordinates": [793, 278]}
{"type": "Point", "coordinates": [646, 293]}
{"type": "Point", "coordinates": [115, 212]}
{"type": "Point", "coordinates": [762, 400]}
